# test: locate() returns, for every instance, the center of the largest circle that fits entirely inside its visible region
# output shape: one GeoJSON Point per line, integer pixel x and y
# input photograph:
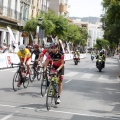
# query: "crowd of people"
{"type": "Point", "coordinates": [7, 48]}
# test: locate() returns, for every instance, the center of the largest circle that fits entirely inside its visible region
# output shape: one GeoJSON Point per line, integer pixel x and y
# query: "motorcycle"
{"type": "Point", "coordinates": [92, 57]}
{"type": "Point", "coordinates": [76, 60]}
{"type": "Point", "coordinates": [100, 64]}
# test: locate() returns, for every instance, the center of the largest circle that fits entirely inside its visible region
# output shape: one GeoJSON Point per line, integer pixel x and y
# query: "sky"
{"type": "Point", "coordinates": [85, 8]}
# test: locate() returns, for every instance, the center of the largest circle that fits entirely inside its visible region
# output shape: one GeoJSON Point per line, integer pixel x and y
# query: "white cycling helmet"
{"type": "Point", "coordinates": [47, 45]}
{"type": "Point", "coordinates": [21, 47]}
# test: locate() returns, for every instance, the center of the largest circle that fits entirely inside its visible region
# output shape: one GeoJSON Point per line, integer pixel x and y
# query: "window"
{"type": "Point", "coordinates": [1, 2]}
{"type": "Point", "coordinates": [9, 3]}
{"type": "Point", "coordinates": [7, 37]}
{"type": "Point", "coordinates": [16, 5]}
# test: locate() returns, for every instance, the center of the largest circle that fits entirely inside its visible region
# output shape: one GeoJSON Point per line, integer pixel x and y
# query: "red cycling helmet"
{"type": "Point", "coordinates": [36, 46]}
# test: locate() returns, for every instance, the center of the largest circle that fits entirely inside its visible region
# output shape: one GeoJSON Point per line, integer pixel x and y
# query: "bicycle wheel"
{"type": "Point", "coordinates": [26, 82]}
{"type": "Point", "coordinates": [16, 81]}
{"type": "Point", "coordinates": [43, 86]}
{"type": "Point", "coordinates": [39, 73]}
{"type": "Point", "coordinates": [49, 97]}
{"type": "Point", "coordinates": [32, 74]}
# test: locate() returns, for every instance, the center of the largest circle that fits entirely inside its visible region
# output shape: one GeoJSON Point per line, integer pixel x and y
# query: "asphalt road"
{"type": "Point", "coordinates": [87, 95]}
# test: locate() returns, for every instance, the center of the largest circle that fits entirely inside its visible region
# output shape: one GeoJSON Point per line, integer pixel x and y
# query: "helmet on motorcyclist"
{"type": "Point", "coordinates": [21, 47]}
{"type": "Point", "coordinates": [101, 53]}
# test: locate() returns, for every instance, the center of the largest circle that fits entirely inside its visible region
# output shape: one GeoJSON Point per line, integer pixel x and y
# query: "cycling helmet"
{"type": "Point", "coordinates": [47, 45]}
{"type": "Point", "coordinates": [77, 50]}
{"type": "Point", "coordinates": [21, 47]}
{"type": "Point", "coordinates": [36, 46]}
{"type": "Point", "coordinates": [54, 44]}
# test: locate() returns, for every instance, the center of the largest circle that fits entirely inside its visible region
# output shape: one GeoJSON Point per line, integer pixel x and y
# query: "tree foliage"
{"type": "Point", "coordinates": [31, 25]}
{"type": "Point", "coordinates": [102, 43]}
{"type": "Point", "coordinates": [111, 21]}
{"type": "Point", "coordinates": [58, 26]}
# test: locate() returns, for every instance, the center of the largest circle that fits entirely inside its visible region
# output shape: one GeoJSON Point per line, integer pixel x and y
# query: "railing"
{"type": "Point", "coordinates": [10, 13]}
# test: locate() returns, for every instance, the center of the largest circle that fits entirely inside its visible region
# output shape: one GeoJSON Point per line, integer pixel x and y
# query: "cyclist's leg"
{"type": "Point", "coordinates": [21, 70]}
{"type": "Point", "coordinates": [28, 61]}
{"type": "Point", "coordinates": [61, 72]}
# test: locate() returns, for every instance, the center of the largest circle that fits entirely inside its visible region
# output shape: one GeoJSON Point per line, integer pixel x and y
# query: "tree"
{"type": "Point", "coordinates": [111, 21]}
{"type": "Point", "coordinates": [30, 28]}
{"type": "Point", "coordinates": [102, 43]}
{"type": "Point", "coordinates": [31, 25]}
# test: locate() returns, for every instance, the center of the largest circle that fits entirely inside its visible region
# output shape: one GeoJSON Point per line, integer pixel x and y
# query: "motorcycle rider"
{"type": "Point", "coordinates": [102, 55]}
{"type": "Point", "coordinates": [92, 54]}
{"type": "Point", "coordinates": [77, 54]}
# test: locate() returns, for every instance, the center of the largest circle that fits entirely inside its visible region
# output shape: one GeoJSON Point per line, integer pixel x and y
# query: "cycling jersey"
{"type": "Point", "coordinates": [22, 54]}
{"type": "Point", "coordinates": [43, 52]}
{"type": "Point", "coordinates": [36, 54]}
{"type": "Point", "coordinates": [56, 59]}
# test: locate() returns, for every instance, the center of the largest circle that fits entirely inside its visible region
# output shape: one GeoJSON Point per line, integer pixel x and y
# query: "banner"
{"type": "Point", "coordinates": [13, 40]}
{"type": "Point", "coordinates": [3, 63]}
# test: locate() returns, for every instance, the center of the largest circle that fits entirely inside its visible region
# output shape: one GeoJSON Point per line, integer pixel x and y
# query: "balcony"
{"type": "Point", "coordinates": [63, 8]}
{"type": "Point", "coordinates": [9, 14]}
{"type": "Point", "coordinates": [28, 2]}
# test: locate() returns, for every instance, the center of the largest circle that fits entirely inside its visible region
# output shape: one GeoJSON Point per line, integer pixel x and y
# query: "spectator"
{"type": "Point", "coordinates": [1, 49]}
{"type": "Point", "coordinates": [11, 49]}
{"type": "Point", "coordinates": [4, 47]}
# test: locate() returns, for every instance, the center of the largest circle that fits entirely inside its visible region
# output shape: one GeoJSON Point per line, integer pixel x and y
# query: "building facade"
{"type": "Point", "coordinates": [60, 7]}
{"type": "Point", "coordinates": [35, 7]}
{"type": "Point", "coordinates": [94, 31]}
{"type": "Point", "coordinates": [13, 13]}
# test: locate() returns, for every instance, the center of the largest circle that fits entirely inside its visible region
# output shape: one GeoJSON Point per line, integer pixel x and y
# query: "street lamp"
{"type": "Point", "coordinates": [39, 35]}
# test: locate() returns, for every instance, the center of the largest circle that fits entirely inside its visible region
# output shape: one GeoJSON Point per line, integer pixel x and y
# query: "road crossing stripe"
{"type": "Point", "coordinates": [87, 75]}
{"type": "Point", "coordinates": [71, 74]}
{"type": "Point", "coordinates": [55, 111]}
{"type": "Point", "coordinates": [104, 77]}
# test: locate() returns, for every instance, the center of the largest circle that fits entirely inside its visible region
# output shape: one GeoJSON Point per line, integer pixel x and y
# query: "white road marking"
{"type": "Point", "coordinates": [70, 74]}
{"type": "Point", "coordinates": [87, 75]}
{"type": "Point", "coordinates": [64, 112]}
{"type": "Point", "coordinates": [104, 77]}
{"type": "Point", "coordinates": [8, 69]}
{"type": "Point", "coordinates": [6, 117]}
{"type": "Point", "coordinates": [9, 116]}
{"type": "Point", "coordinates": [68, 81]}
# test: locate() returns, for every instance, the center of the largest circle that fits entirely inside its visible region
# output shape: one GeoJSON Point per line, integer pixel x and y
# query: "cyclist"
{"type": "Point", "coordinates": [57, 65]}
{"type": "Point", "coordinates": [25, 58]}
{"type": "Point", "coordinates": [92, 54]}
{"type": "Point", "coordinates": [36, 52]}
{"type": "Point", "coordinates": [47, 50]}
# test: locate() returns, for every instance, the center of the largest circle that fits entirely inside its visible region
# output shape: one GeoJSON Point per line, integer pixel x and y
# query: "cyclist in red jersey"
{"type": "Point", "coordinates": [58, 65]}
{"type": "Point", "coordinates": [45, 53]}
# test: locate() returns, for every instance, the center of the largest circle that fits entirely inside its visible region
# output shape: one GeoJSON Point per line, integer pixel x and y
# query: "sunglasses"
{"type": "Point", "coordinates": [21, 51]}
{"type": "Point", "coordinates": [53, 47]}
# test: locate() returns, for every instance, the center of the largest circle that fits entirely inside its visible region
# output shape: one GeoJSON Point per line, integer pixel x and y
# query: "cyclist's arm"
{"type": "Point", "coordinates": [46, 63]}
{"type": "Point", "coordinates": [25, 58]}
{"type": "Point", "coordinates": [62, 63]}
